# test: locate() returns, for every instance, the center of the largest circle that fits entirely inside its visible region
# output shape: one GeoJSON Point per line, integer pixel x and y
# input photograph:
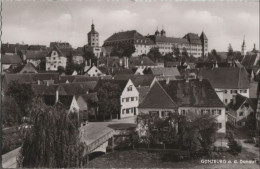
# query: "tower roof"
{"type": "Point", "coordinates": [203, 36]}
{"type": "Point", "coordinates": [93, 31]}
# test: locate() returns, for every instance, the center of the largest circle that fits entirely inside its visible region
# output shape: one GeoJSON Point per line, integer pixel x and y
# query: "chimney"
{"type": "Point", "coordinates": [89, 62]}
{"type": "Point", "coordinates": [200, 78]}
{"type": "Point", "coordinates": [234, 100]}
{"type": "Point", "coordinates": [47, 83]}
{"type": "Point", "coordinates": [167, 80]}
{"type": "Point", "coordinates": [57, 95]}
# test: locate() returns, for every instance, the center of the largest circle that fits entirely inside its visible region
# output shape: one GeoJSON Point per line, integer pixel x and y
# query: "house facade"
{"type": "Point", "coordinates": [227, 82]}
{"type": "Point", "coordinates": [129, 100]}
{"type": "Point", "coordinates": [185, 97]}
{"type": "Point", "coordinates": [94, 71]}
{"type": "Point", "coordinates": [240, 109]}
{"type": "Point", "coordinates": [55, 59]}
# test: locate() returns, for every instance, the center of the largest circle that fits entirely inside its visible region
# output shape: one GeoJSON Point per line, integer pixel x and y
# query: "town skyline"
{"type": "Point", "coordinates": [70, 22]}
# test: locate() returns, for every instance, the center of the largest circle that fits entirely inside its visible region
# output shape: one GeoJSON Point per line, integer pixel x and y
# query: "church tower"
{"type": "Point", "coordinates": [93, 37]}
{"type": "Point", "coordinates": [163, 33]}
{"type": "Point", "coordinates": [243, 48]}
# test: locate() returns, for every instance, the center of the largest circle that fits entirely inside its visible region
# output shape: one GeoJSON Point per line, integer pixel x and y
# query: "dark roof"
{"type": "Point", "coordinates": [226, 78]}
{"type": "Point", "coordinates": [65, 78]}
{"type": "Point", "coordinates": [13, 48]}
{"type": "Point", "coordinates": [248, 60]}
{"type": "Point", "coordinates": [77, 88]}
{"type": "Point", "coordinates": [193, 93]}
{"type": "Point", "coordinates": [49, 100]}
{"type": "Point", "coordinates": [240, 100]}
{"type": "Point", "coordinates": [45, 89]}
{"type": "Point", "coordinates": [165, 71]}
{"type": "Point", "coordinates": [109, 61]}
{"type": "Point", "coordinates": [120, 84]}
{"type": "Point", "coordinates": [11, 59]}
{"type": "Point", "coordinates": [143, 91]}
{"type": "Point", "coordinates": [203, 36]}
{"type": "Point", "coordinates": [28, 68]}
{"type": "Point", "coordinates": [171, 64]}
{"type": "Point", "coordinates": [37, 55]}
{"type": "Point", "coordinates": [193, 38]}
{"type": "Point", "coordinates": [31, 77]}
{"type": "Point", "coordinates": [85, 79]}
{"type": "Point", "coordinates": [138, 80]}
{"type": "Point", "coordinates": [66, 100]}
{"type": "Point", "coordinates": [170, 40]}
{"type": "Point", "coordinates": [121, 71]}
{"type": "Point", "coordinates": [37, 47]}
{"type": "Point", "coordinates": [127, 35]}
{"type": "Point", "coordinates": [145, 61]}
{"type": "Point", "coordinates": [88, 97]}
{"type": "Point", "coordinates": [210, 65]}
{"type": "Point", "coordinates": [157, 98]}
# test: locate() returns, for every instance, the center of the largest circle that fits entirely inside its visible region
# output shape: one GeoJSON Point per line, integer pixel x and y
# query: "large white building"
{"type": "Point", "coordinates": [93, 41]}
{"type": "Point", "coordinates": [185, 97]}
{"type": "Point", "coordinates": [55, 59]}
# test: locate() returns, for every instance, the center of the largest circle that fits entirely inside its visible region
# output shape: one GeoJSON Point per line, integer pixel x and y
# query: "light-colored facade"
{"type": "Point", "coordinates": [93, 41]}
{"type": "Point", "coordinates": [227, 95]}
{"type": "Point", "coordinates": [55, 60]}
{"type": "Point", "coordinates": [129, 101]}
{"type": "Point", "coordinates": [94, 71]}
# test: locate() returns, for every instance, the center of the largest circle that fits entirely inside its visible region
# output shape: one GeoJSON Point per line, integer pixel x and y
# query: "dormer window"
{"type": "Point", "coordinates": [130, 88]}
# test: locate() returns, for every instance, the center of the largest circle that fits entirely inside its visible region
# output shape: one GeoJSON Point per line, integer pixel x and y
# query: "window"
{"type": "Point", "coordinates": [202, 111]}
{"type": "Point", "coordinates": [231, 91]}
{"type": "Point", "coordinates": [122, 99]}
{"type": "Point", "coordinates": [129, 88]}
{"type": "Point", "coordinates": [123, 111]}
{"type": "Point", "coordinates": [219, 125]}
{"type": "Point", "coordinates": [183, 112]}
{"type": "Point", "coordinates": [127, 111]}
{"type": "Point", "coordinates": [235, 91]}
{"type": "Point", "coordinates": [245, 91]}
{"type": "Point", "coordinates": [241, 114]}
{"type": "Point", "coordinates": [208, 111]}
{"type": "Point", "coordinates": [225, 91]}
{"type": "Point", "coordinates": [219, 112]}
{"type": "Point", "coordinates": [213, 111]}
{"type": "Point", "coordinates": [132, 98]}
{"type": "Point", "coordinates": [154, 113]}
{"type": "Point", "coordinates": [127, 99]}
{"type": "Point", "coordinates": [165, 113]}
{"type": "Point", "coordinates": [225, 100]}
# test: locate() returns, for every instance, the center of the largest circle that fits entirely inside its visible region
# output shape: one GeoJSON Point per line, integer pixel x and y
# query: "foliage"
{"type": "Point", "coordinates": [22, 94]}
{"type": "Point", "coordinates": [234, 146]}
{"type": "Point", "coordinates": [184, 53]}
{"type": "Point", "coordinates": [190, 133]}
{"type": "Point", "coordinates": [230, 50]}
{"type": "Point", "coordinates": [88, 54]}
{"type": "Point", "coordinates": [123, 49]}
{"type": "Point", "coordinates": [11, 141]}
{"type": "Point", "coordinates": [169, 57]}
{"type": "Point", "coordinates": [53, 140]}
{"type": "Point", "coordinates": [11, 113]}
{"type": "Point", "coordinates": [176, 51]}
{"type": "Point", "coordinates": [154, 54]}
{"type": "Point", "coordinates": [109, 99]}
{"type": "Point", "coordinates": [61, 69]}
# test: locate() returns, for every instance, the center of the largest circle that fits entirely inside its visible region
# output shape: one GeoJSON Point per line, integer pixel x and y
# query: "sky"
{"type": "Point", "coordinates": [47, 21]}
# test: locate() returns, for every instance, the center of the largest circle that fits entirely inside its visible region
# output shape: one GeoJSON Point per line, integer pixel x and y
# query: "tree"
{"type": "Point", "coordinates": [230, 50]}
{"type": "Point", "coordinates": [22, 94]}
{"type": "Point", "coordinates": [11, 113]}
{"type": "Point", "coordinates": [184, 55]}
{"type": "Point", "coordinates": [123, 49]}
{"type": "Point", "coordinates": [176, 51]}
{"type": "Point", "coordinates": [53, 139]}
{"type": "Point", "coordinates": [154, 54]}
{"type": "Point", "coordinates": [109, 99]}
{"type": "Point", "coordinates": [168, 57]}
{"type": "Point", "coordinates": [61, 69]}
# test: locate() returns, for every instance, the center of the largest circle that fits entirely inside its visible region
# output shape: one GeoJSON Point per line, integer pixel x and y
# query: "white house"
{"type": "Point", "coordinates": [55, 59]}
{"type": "Point", "coordinates": [227, 82]}
{"type": "Point", "coordinates": [93, 71]}
{"type": "Point", "coordinates": [129, 100]}
{"type": "Point", "coordinates": [185, 97]}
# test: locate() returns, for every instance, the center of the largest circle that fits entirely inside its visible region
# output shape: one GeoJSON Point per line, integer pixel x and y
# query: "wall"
{"type": "Point", "coordinates": [229, 96]}
{"type": "Point", "coordinates": [54, 61]}
{"type": "Point", "coordinates": [130, 104]}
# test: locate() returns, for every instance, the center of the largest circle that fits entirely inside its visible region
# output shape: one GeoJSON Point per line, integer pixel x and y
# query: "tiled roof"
{"type": "Point", "coordinates": [121, 71]}
{"type": "Point", "coordinates": [240, 100]}
{"type": "Point", "coordinates": [143, 91]}
{"type": "Point", "coordinates": [193, 93]}
{"type": "Point", "coordinates": [193, 38]}
{"type": "Point", "coordinates": [12, 48]}
{"type": "Point", "coordinates": [226, 78]}
{"type": "Point", "coordinates": [203, 36]}
{"type": "Point", "coordinates": [85, 79]}
{"type": "Point", "coordinates": [165, 71]}
{"type": "Point", "coordinates": [65, 78]}
{"type": "Point", "coordinates": [248, 60]}
{"type": "Point", "coordinates": [28, 68]}
{"type": "Point", "coordinates": [145, 61]}
{"type": "Point", "coordinates": [138, 80]}
{"type": "Point", "coordinates": [120, 84]}
{"type": "Point", "coordinates": [89, 97]}
{"type": "Point", "coordinates": [37, 55]}
{"type": "Point", "coordinates": [45, 89]}
{"type": "Point", "coordinates": [66, 100]}
{"type": "Point", "coordinates": [171, 64]}
{"type": "Point", "coordinates": [11, 59]}
{"type": "Point", "coordinates": [77, 88]}
{"type": "Point", "coordinates": [31, 78]}
{"type": "Point", "coordinates": [109, 61]}
{"type": "Point", "coordinates": [37, 47]}
{"type": "Point", "coordinates": [171, 40]}
{"type": "Point", "coordinates": [157, 98]}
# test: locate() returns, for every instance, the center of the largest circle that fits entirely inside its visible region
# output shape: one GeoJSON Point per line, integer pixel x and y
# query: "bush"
{"type": "Point", "coordinates": [11, 141]}
{"type": "Point", "coordinates": [235, 147]}
{"type": "Point", "coordinates": [249, 141]}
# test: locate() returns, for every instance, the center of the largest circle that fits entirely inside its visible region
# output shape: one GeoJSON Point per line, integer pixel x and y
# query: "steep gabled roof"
{"type": "Point", "coordinates": [240, 100]}
{"type": "Point", "coordinates": [126, 35]}
{"type": "Point", "coordinates": [35, 55]}
{"type": "Point", "coordinates": [44, 89]}
{"type": "Point", "coordinates": [66, 100]}
{"type": "Point", "coordinates": [28, 68]}
{"type": "Point", "coordinates": [145, 61]}
{"type": "Point", "coordinates": [157, 98]}
{"type": "Point", "coordinates": [193, 38]}
{"type": "Point", "coordinates": [193, 93]}
{"type": "Point", "coordinates": [226, 77]}
{"type": "Point", "coordinates": [143, 91]}
{"type": "Point", "coordinates": [249, 60]}
{"type": "Point", "coordinates": [11, 59]}
{"type": "Point", "coordinates": [203, 36]}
